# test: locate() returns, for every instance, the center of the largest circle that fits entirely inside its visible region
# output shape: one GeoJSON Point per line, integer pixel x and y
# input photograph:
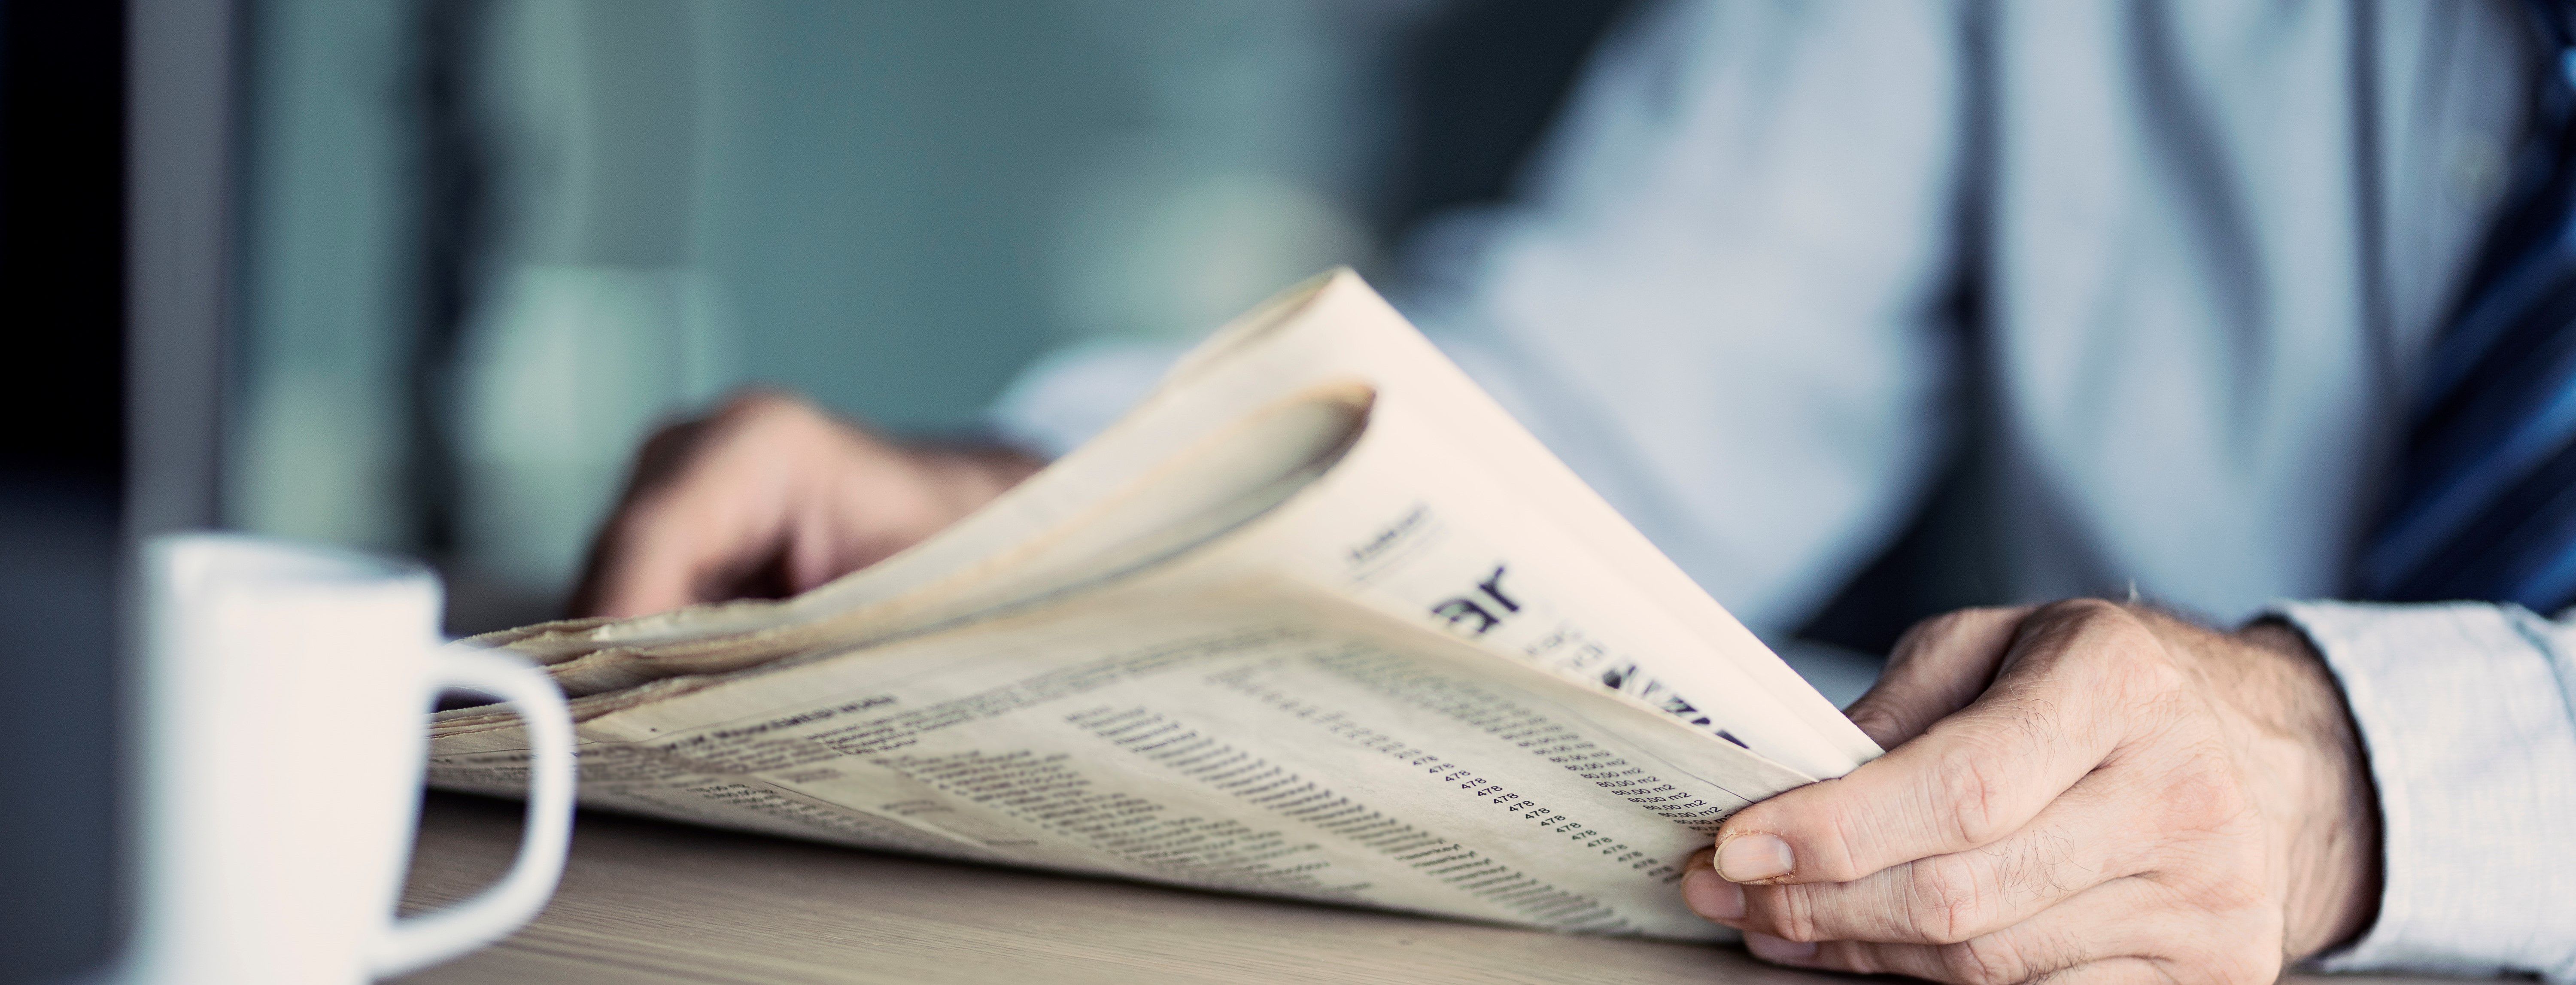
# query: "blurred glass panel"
{"type": "Point", "coordinates": [494, 243]}
{"type": "Point", "coordinates": [318, 446]}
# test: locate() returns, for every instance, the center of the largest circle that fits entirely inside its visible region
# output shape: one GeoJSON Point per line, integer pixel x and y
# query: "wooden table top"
{"type": "Point", "coordinates": [647, 902]}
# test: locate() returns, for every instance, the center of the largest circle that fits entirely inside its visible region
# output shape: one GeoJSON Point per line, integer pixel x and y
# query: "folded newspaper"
{"type": "Point", "coordinates": [1316, 619]}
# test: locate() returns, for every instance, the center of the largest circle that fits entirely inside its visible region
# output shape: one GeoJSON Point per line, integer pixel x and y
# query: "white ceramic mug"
{"type": "Point", "coordinates": [285, 695]}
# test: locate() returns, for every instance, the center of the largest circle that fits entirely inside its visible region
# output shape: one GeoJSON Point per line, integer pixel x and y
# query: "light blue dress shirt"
{"type": "Point", "coordinates": [2207, 242]}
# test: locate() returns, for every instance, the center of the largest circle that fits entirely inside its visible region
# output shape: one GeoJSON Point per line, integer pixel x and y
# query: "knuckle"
{"type": "Point", "coordinates": [678, 504]}
{"type": "Point", "coordinates": [1835, 856]}
{"type": "Point", "coordinates": [1942, 634]}
{"type": "Point", "coordinates": [1945, 901]}
{"type": "Point", "coordinates": [1853, 957]}
{"type": "Point", "coordinates": [2121, 669]}
{"type": "Point", "coordinates": [761, 404]}
{"type": "Point", "coordinates": [690, 448]}
{"type": "Point", "coordinates": [1824, 825]}
{"type": "Point", "coordinates": [644, 519]}
{"type": "Point", "coordinates": [2203, 792]}
{"type": "Point", "coordinates": [2097, 648]}
{"type": "Point", "coordinates": [2139, 671]}
{"type": "Point", "coordinates": [1937, 627]}
{"type": "Point", "coordinates": [1792, 915]}
{"type": "Point", "coordinates": [2099, 625]}
{"type": "Point", "coordinates": [765, 417]}
{"type": "Point", "coordinates": [2082, 614]}
{"type": "Point", "coordinates": [1948, 626]}
{"type": "Point", "coordinates": [1983, 961]}
{"type": "Point", "coordinates": [1971, 785]}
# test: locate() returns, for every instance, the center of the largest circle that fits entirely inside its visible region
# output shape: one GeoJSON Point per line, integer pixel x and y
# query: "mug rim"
{"type": "Point", "coordinates": [249, 558]}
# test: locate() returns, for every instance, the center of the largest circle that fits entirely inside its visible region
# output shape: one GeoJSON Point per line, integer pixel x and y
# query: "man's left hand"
{"type": "Point", "coordinates": [2078, 792]}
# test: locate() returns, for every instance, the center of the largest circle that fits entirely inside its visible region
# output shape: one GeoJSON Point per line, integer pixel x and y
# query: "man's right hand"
{"type": "Point", "coordinates": [770, 496]}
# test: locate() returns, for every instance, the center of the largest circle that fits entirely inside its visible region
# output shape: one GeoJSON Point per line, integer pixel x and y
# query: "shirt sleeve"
{"type": "Point", "coordinates": [2465, 712]}
{"type": "Point", "coordinates": [1076, 392]}
{"type": "Point", "coordinates": [1719, 293]}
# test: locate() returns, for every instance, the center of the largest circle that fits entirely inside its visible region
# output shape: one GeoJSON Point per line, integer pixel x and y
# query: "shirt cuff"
{"type": "Point", "coordinates": [1076, 392]}
{"type": "Point", "coordinates": [2465, 712]}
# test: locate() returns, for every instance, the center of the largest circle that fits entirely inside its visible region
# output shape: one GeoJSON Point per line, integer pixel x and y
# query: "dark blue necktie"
{"type": "Point", "coordinates": [2484, 500]}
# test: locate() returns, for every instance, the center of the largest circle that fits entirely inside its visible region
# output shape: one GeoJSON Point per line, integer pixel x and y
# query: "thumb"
{"type": "Point", "coordinates": [1940, 665]}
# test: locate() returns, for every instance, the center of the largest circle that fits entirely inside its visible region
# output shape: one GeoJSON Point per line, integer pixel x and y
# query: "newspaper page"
{"type": "Point", "coordinates": [1409, 522]}
{"type": "Point", "coordinates": [1241, 736]}
{"type": "Point", "coordinates": [1317, 621]}
{"type": "Point", "coordinates": [1703, 664]}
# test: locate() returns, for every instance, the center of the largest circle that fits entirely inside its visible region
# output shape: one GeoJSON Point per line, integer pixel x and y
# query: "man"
{"type": "Point", "coordinates": [2267, 304]}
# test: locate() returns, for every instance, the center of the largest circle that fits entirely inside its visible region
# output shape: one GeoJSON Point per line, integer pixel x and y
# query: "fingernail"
{"type": "Point", "coordinates": [1712, 897]}
{"type": "Point", "coordinates": [1754, 857]}
{"type": "Point", "coordinates": [1781, 949]}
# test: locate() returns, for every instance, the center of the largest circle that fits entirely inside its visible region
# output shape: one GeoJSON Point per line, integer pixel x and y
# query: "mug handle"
{"type": "Point", "coordinates": [418, 941]}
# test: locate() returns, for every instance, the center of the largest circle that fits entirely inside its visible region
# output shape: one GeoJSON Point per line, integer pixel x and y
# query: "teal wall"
{"type": "Point", "coordinates": [890, 206]}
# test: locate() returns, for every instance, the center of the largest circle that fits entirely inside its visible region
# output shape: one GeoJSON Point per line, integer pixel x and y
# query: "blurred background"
{"type": "Point", "coordinates": [487, 245]}
{"type": "Point", "coordinates": [417, 275]}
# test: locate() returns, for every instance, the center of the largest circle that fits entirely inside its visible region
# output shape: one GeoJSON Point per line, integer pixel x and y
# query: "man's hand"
{"type": "Point", "coordinates": [2080, 792]}
{"type": "Point", "coordinates": [768, 497]}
